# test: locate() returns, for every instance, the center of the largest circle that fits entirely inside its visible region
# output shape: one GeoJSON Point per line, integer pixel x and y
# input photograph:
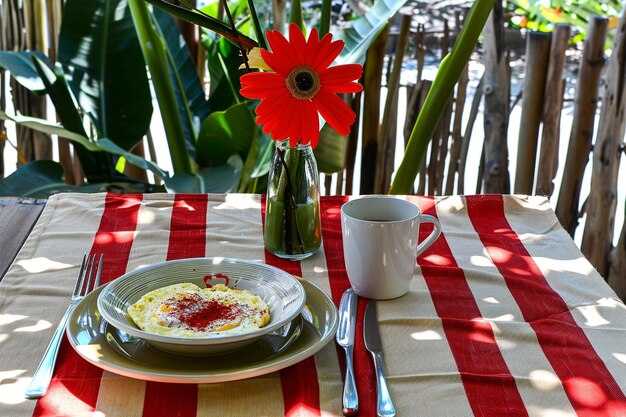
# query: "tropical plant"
{"type": "Point", "coordinates": [543, 15]}
{"type": "Point", "coordinates": [75, 85]}
{"type": "Point", "coordinates": [214, 144]}
{"type": "Point", "coordinates": [447, 76]}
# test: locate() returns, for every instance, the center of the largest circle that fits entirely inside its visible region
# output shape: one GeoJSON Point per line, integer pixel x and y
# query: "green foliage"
{"type": "Point", "coordinates": [101, 58]}
{"type": "Point", "coordinates": [447, 76]}
{"type": "Point", "coordinates": [215, 146]}
{"type": "Point", "coordinates": [543, 15]}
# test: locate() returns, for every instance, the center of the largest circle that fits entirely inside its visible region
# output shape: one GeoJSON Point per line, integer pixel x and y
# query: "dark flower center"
{"type": "Point", "coordinates": [303, 83]}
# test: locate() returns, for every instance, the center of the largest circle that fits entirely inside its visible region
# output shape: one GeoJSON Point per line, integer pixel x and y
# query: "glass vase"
{"type": "Point", "coordinates": [292, 218]}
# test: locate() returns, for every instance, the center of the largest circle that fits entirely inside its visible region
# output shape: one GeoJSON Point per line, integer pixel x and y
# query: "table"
{"type": "Point", "coordinates": [504, 317]}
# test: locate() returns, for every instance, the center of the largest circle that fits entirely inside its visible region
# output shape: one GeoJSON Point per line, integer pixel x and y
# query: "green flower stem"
{"type": "Point", "coordinates": [443, 86]}
{"type": "Point", "coordinates": [257, 26]}
{"type": "Point", "coordinates": [325, 19]}
{"type": "Point", "coordinates": [154, 51]}
{"type": "Point", "coordinates": [296, 15]}
{"type": "Point", "coordinates": [292, 223]}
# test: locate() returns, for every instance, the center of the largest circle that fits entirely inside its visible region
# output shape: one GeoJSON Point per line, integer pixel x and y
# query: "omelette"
{"type": "Point", "coordinates": [186, 310]}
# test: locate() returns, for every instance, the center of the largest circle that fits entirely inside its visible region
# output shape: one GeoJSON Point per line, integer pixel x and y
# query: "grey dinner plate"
{"type": "Point", "coordinates": [113, 350]}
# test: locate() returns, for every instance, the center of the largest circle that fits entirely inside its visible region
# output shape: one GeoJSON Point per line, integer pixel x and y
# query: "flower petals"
{"type": "Point", "coordinates": [340, 78]}
{"type": "Point", "coordinates": [261, 84]}
{"type": "Point", "coordinates": [327, 51]}
{"type": "Point", "coordinates": [335, 111]}
{"type": "Point", "coordinates": [286, 116]}
{"type": "Point", "coordinates": [298, 43]}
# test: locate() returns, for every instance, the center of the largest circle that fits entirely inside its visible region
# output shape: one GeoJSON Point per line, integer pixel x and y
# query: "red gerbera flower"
{"type": "Point", "coordinates": [302, 87]}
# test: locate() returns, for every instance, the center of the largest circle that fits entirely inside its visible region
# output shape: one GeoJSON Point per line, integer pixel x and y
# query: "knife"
{"type": "Point", "coordinates": [371, 336]}
{"type": "Point", "coordinates": [345, 339]}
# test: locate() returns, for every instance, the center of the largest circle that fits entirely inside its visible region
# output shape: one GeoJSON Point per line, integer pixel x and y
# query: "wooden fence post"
{"type": "Point", "coordinates": [3, 102]}
{"type": "Point", "coordinates": [537, 52]}
{"type": "Point", "coordinates": [552, 106]}
{"type": "Point", "coordinates": [439, 143]}
{"type": "Point", "coordinates": [372, 75]}
{"type": "Point", "coordinates": [387, 135]}
{"type": "Point", "coordinates": [581, 136]}
{"type": "Point", "coordinates": [424, 90]}
{"type": "Point", "coordinates": [353, 138]}
{"type": "Point", "coordinates": [617, 266]}
{"type": "Point", "coordinates": [496, 114]}
{"type": "Point", "coordinates": [459, 107]}
{"type": "Point", "coordinates": [467, 135]}
{"type": "Point", "coordinates": [598, 235]}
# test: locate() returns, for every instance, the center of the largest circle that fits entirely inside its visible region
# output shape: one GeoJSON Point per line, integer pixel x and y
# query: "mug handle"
{"type": "Point", "coordinates": [432, 236]}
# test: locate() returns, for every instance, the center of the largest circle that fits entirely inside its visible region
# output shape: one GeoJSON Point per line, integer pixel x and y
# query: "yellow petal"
{"type": "Point", "coordinates": [255, 60]}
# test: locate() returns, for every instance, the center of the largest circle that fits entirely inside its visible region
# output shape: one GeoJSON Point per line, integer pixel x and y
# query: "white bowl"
{"type": "Point", "coordinates": [281, 291]}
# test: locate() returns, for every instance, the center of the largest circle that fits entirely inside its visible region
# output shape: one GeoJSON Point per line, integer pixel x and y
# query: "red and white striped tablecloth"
{"type": "Point", "coordinates": [504, 317]}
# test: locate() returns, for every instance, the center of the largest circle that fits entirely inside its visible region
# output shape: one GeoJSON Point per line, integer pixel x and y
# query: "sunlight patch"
{"type": "Point", "coordinates": [239, 202]}
{"type": "Point", "coordinates": [41, 325]}
{"type": "Point", "coordinates": [480, 260]}
{"type": "Point", "coordinates": [426, 335]}
{"type": "Point", "coordinates": [544, 380]}
{"type": "Point", "coordinates": [620, 357]}
{"type": "Point", "coordinates": [145, 217]}
{"type": "Point", "coordinates": [13, 387]}
{"type": "Point", "coordinates": [549, 412]}
{"type": "Point", "coordinates": [10, 318]}
{"type": "Point", "coordinates": [592, 316]}
{"type": "Point", "coordinates": [42, 264]}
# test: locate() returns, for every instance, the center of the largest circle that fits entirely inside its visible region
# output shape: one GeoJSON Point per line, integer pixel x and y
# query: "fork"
{"type": "Point", "coordinates": [90, 268]}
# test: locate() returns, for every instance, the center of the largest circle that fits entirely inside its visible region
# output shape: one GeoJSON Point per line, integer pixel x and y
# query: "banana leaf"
{"type": "Point", "coordinates": [202, 19]}
{"type": "Point", "coordinates": [94, 165]}
{"type": "Point", "coordinates": [330, 151]}
{"type": "Point", "coordinates": [21, 67]}
{"type": "Point", "coordinates": [217, 179]}
{"type": "Point", "coordinates": [225, 133]}
{"type": "Point", "coordinates": [101, 145]}
{"type": "Point", "coordinates": [224, 61]}
{"type": "Point", "coordinates": [363, 30]}
{"type": "Point", "coordinates": [189, 91]}
{"type": "Point", "coordinates": [102, 60]}
{"type": "Point", "coordinates": [41, 179]}
{"type": "Point", "coordinates": [155, 55]}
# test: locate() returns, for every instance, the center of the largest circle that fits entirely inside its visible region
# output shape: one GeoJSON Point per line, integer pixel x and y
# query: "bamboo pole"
{"type": "Point", "coordinates": [152, 153]}
{"type": "Point", "coordinates": [459, 107]}
{"type": "Point", "coordinates": [387, 136]}
{"type": "Point", "coordinates": [444, 126]}
{"type": "Point", "coordinates": [54, 14]}
{"type": "Point", "coordinates": [280, 14]}
{"type": "Point", "coordinates": [328, 182]}
{"type": "Point", "coordinates": [599, 227]}
{"type": "Point", "coordinates": [353, 139]}
{"type": "Point", "coordinates": [617, 266]}
{"type": "Point", "coordinates": [339, 184]}
{"type": "Point", "coordinates": [371, 107]}
{"type": "Point", "coordinates": [440, 136]}
{"type": "Point", "coordinates": [3, 92]}
{"type": "Point", "coordinates": [467, 136]}
{"type": "Point", "coordinates": [189, 31]}
{"type": "Point", "coordinates": [553, 104]}
{"type": "Point", "coordinates": [537, 53]}
{"type": "Point", "coordinates": [585, 106]}
{"type": "Point", "coordinates": [457, 137]}
{"type": "Point", "coordinates": [414, 93]}
{"type": "Point", "coordinates": [134, 171]}
{"type": "Point", "coordinates": [495, 173]}
{"type": "Point", "coordinates": [424, 90]}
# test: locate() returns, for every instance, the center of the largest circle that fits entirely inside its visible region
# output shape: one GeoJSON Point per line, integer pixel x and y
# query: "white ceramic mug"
{"type": "Point", "coordinates": [380, 244]}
